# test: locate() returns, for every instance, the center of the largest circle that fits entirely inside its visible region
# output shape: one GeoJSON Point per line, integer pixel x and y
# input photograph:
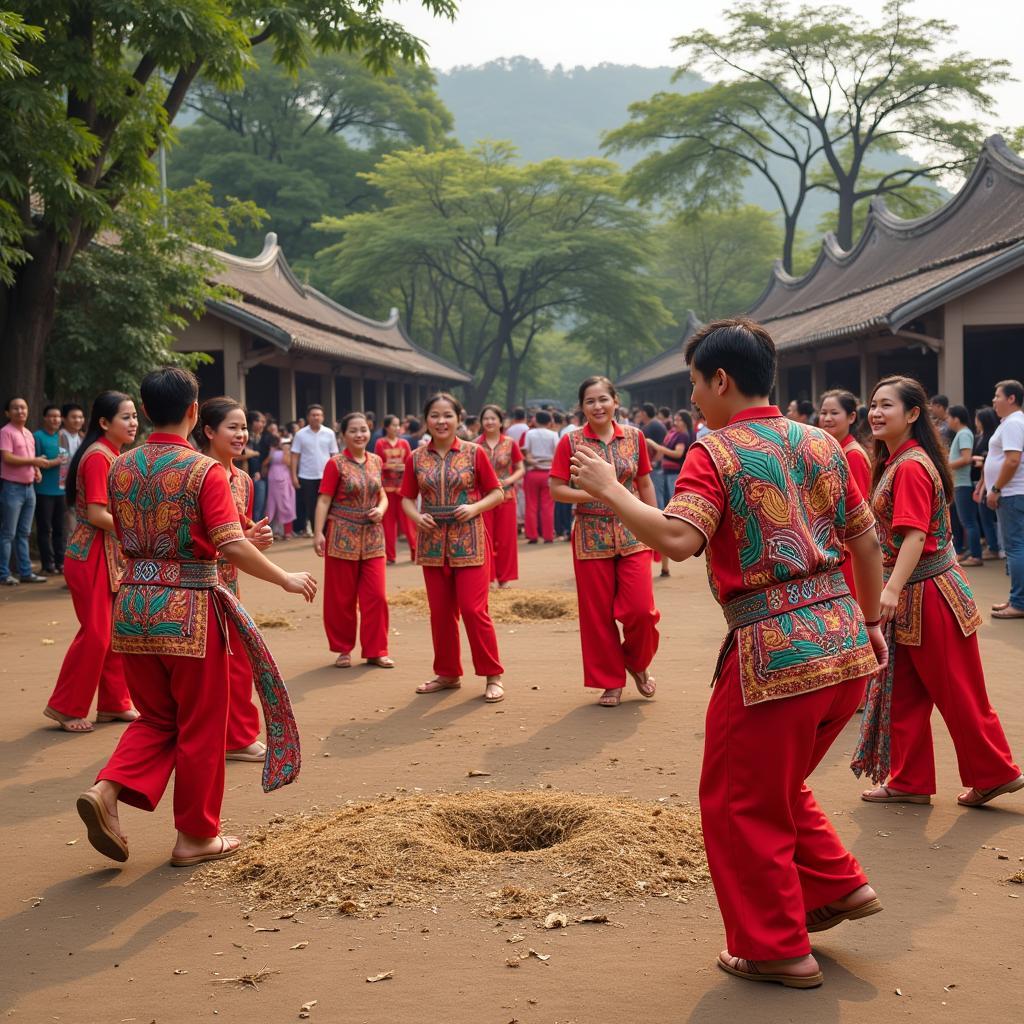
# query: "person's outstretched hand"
{"type": "Point", "coordinates": [591, 473]}
{"type": "Point", "coordinates": [301, 583]}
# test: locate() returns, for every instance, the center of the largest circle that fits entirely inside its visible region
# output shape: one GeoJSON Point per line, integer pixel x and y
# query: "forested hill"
{"type": "Point", "coordinates": [550, 112]}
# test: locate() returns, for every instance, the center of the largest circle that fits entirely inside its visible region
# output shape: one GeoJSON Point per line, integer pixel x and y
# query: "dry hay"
{"type": "Point", "coordinates": [272, 620]}
{"type": "Point", "coordinates": [504, 605]}
{"type": "Point", "coordinates": [510, 854]}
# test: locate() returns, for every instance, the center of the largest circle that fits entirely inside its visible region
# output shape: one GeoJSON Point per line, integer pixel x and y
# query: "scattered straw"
{"type": "Point", "coordinates": [512, 854]}
{"type": "Point", "coordinates": [248, 980]}
{"type": "Point", "coordinates": [504, 605]}
{"type": "Point", "coordinates": [272, 620]}
{"type": "Point", "coordinates": [1017, 877]}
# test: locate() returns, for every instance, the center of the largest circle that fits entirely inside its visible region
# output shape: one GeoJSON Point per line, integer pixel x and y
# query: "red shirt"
{"type": "Point", "coordinates": [92, 475]}
{"type": "Point", "coordinates": [859, 463]}
{"type": "Point", "coordinates": [913, 499]}
{"type": "Point", "coordinates": [393, 454]}
{"type": "Point", "coordinates": [486, 479]}
{"type": "Point", "coordinates": [700, 477]}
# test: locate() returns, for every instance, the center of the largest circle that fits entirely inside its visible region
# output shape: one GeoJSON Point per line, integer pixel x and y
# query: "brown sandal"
{"type": "Point", "coordinates": [823, 918]}
{"type": "Point", "coordinates": [226, 850]}
{"type": "Point", "coordinates": [382, 662]}
{"type": "Point", "coordinates": [495, 698]}
{"type": "Point", "coordinates": [131, 715]}
{"type": "Point", "coordinates": [753, 973]}
{"type": "Point", "coordinates": [65, 721]}
{"type": "Point", "coordinates": [644, 682]}
{"type": "Point", "coordinates": [990, 794]}
{"type": "Point", "coordinates": [343, 661]}
{"type": "Point", "coordinates": [894, 796]}
{"type": "Point", "coordinates": [436, 685]}
{"type": "Point", "coordinates": [611, 698]}
{"type": "Point", "coordinates": [102, 836]}
{"type": "Point", "coordinates": [255, 753]}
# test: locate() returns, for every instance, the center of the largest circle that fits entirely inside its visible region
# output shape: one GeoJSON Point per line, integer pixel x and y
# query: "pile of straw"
{"type": "Point", "coordinates": [504, 605]}
{"type": "Point", "coordinates": [272, 620]}
{"type": "Point", "coordinates": [510, 854]}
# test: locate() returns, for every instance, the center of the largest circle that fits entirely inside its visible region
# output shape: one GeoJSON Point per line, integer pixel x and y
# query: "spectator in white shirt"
{"type": "Point", "coordinates": [1004, 490]}
{"type": "Point", "coordinates": [312, 448]}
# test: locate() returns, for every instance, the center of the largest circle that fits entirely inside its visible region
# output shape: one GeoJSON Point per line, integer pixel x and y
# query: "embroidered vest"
{"type": "Point", "coordinates": [84, 534]}
{"type": "Point", "coordinates": [350, 535]}
{"type": "Point", "coordinates": [393, 461]}
{"type": "Point", "coordinates": [241, 490]}
{"type": "Point", "coordinates": [597, 531]}
{"type": "Point", "coordinates": [154, 499]}
{"type": "Point", "coordinates": [446, 481]}
{"type": "Point", "coordinates": [950, 579]}
{"type": "Point", "coordinates": [501, 459]}
{"type": "Point", "coordinates": [785, 485]}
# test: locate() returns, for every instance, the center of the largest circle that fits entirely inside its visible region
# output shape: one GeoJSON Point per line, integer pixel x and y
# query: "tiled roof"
{"type": "Point", "coordinates": [899, 268]}
{"type": "Point", "coordinates": [669, 363]}
{"type": "Point", "coordinates": [275, 305]}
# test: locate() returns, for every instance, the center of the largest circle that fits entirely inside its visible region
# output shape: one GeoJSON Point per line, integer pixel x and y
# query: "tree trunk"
{"type": "Point", "coordinates": [788, 243]}
{"type": "Point", "coordinates": [478, 392]}
{"type": "Point", "coordinates": [844, 216]}
{"type": "Point", "coordinates": [29, 310]}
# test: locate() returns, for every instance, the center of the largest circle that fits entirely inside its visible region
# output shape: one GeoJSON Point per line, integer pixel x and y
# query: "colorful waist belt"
{"type": "Point", "coordinates": [929, 566]}
{"type": "Point", "coordinates": [784, 597]}
{"type": "Point", "coordinates": [586, 509]}
{"type": "Point", "coordinates": [358, 516]}
{"type": "Point", "coordinates": [165, 572]}
{"type": "Point", "coordinates": [440, 513]}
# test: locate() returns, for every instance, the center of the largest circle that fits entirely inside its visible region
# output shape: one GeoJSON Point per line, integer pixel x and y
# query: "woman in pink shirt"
{"type": "Point", "coordinates": [19, 470]}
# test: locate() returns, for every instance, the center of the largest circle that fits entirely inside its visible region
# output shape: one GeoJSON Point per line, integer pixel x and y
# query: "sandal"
{"type": "Point", "coordinates": [894, 796]}
{"type": "Point", "coordinates": [382, 662]}
{"type": "Point", "coordinates": [611, 698]}
{"type": "Point", "coordinates": [436, 685]}
{"type": "Point", "coordinates": [1001, 606]}
{"type": "Point", "coordinates": [130, 715]}
{"type": "Point", "coordinates": [984, 795]}
{"type": "Point", "coordinates": [1009, 612]}
{"type": "Point", "coordinates": [67, 723]}
{"type": "Point", "coordinates": [102, 835]}
{"type": "Point", "coordinates": [226, 850]}
{"type": "Point", "coordinates": [492, 698]}
{"type": "Point", "coordinates": [823, 918]}
{"type": "Point", "coordinates": [750, 972]}
{"type": "Point", "coordinates": [256, 752]}
{"type": "Point", "coordinates": [644, 682]}
{"type": "Point", "coordinates": [343, 661]}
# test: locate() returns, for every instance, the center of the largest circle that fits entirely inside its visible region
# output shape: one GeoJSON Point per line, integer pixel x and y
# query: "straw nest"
{"type": "Point", "coordinates": [504, 605]}
{"type": "Point", "coordinates": [509, 854]}
{"type": "Point", "coordinates": [272, 620]}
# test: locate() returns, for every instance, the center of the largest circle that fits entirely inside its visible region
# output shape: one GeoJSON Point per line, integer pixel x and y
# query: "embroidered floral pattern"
{"type": "Point", "coordinates": [696, 510]}
{"type": "Point", "coordinates": [502, 461]}
{"type": "Point", "coordinates": [84, 534]}
{"type": "Point", "coordinates": [350, 535]}
{"type": "Point", "coordinates": [449, 480]}
{"type": "Point", "coordinates": [597, 531]}
{"type": "Point", "coordinates": [241, 490]}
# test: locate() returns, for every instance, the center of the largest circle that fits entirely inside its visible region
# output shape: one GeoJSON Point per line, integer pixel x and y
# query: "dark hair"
{"type": "Point", "coordinates": [519, 413]}
{"type": "Point", "coordinates": [212, 413]}
{"type": "Point", "coordinates": [104, 408]}
{"type": "Point", "coordinates": [591, 381]}
{"type": "Point", "coordinates": [251, 415]}
{"type": "Point", "coordinates": [939, 400]}
{"type": "Point", "coordinates": [543, 417]}
{"type": "Point", "coordinates": [69, 407]}
{"type": "Point", "coordinates": [847, 400]}
{"type": "Point", "coordinates": [496, 409]}
{"type": "Point", "coordinates": [14, 398]}
{"type": "Point", "coordinates": [442, 396]}
{"type": "Point", "coordinates": [414, 424]}
{"type": "Point", "coordinates": [315, 405]}
{"type": "Point", "coordinates": [49, 406]}
{"type": "Point", "coordinates": [167, 393]}
{"type": "Point", "coordinates": [922, 430]}
{"type": "Point", "coordinates": [649, 411]}
{"type": "Point", "coordinates": [1013, 389]}
{"type": "Point", "coordinates": [740, 348]}
{"type": "Point", "coordinates": [686, 418]}
{"type": "Point", "coordinates": [960, 412]}
{"type": "Point", "coordinates": [273, 440]}
{"type": "Point", "coordinates": [805, 407]}
{"type": "Point", "coordinates": [349, 417]}
{"type": "Point", "coordinates": [387, 421]}
{"type": "Point", "coordinates": [291, 426]}
{"type": "Point", "coordinates": [989, 421]}
{"type": "Point", "coordinates": [664, 410]}
{"type": "Point", "coordinates": [557, 417]}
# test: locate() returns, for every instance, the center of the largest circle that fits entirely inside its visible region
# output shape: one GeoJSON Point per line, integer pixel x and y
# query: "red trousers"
{"type": "Point", "coordinates": [944, 672]}
{"type": "Point", "coordinates": [540, 506]}
{"type": "Point", "coordinates": [772, 852]}
{"type": "Point", "coordinates": [501, 528]}
{"type": "Point", "coordinates": [610, 591]}
{"type": "Point", "coordinates": [183, 704]}
{"type": "Point", "coordinates": [90, 664]}
{"type": "Point", "coordinates": [243, 715]}
{"type": "Point", "coordinates": [452, 593]}
{"type": "Point", "coordinates": [394, 520]}
{"type": "Point", "coordinates": [350, 587]}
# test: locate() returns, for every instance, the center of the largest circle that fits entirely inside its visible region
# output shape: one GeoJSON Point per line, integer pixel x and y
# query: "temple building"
{"type": "Point", "coordinates": [278, 345]}
{"type": "Point", "coordinates": [939, 298]}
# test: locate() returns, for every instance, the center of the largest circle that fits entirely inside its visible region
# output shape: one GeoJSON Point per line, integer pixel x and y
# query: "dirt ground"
{"type": "Point", "coordinates": [85, 941]}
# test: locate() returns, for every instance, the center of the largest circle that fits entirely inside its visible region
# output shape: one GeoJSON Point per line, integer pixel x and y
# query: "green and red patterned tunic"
{"type": "Point", "coordinates": [85, 534]}
{"type": "Point", "coordinates": [775, 502]}
{"type": "Point", "coordinates": [355, 489]}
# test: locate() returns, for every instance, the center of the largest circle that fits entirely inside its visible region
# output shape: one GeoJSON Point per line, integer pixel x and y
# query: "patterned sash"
{"type": "Point", "coordinates": [357, 516]}
{"type": "Point", "coordinates": [747, 609]}
{"type": "Point", "coordinates": [440, 513]}
{"type": "Point", "coordinates": [284, 757]}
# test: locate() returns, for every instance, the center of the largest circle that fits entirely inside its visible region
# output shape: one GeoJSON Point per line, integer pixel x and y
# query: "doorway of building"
{"type": "Point", "coordinates": [991, 354]}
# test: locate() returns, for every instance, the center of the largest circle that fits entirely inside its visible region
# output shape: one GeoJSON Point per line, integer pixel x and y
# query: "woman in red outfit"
{"type": "Point", "coordinates": [613, 569]}
{"type": "Point", "coordinates": [837, 416]}
{"type": "Point", "coordinates": [936, 662]}
{"type": "Point", "coordinates": [507, 459]}
{"type": "Point", "coordinates": [457, 484]}
{"type": "Point", "coordinates": [393, 451]}
{"type": "Point", "coordinates": [223, 434]}
{"type": "Point", "coordinates": [92, 570]}
{"type": "Point", "coordinates": [349, 535]}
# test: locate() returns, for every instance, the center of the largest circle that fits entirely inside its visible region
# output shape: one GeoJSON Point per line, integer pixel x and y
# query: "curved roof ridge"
{"type": "Point", "coordinates": [389, 324]}
{"type": "Point", "coordinates": [270, 256]}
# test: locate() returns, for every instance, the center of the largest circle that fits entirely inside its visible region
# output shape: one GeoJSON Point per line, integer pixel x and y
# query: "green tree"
{"type": "Point", "coordinates": [521, 246]}
{"type": "Point", "coordinates": [109, 78]}
{"type": "Point", "coordinates": [126, 296]}
{"type": "Point", "coordinates": [296, 143]}
{"type": "Point", "coordinates": [814, 99]}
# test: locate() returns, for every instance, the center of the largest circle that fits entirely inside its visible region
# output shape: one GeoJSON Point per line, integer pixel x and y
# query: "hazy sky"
{"type": "Point", "coordinates": [589, 32]}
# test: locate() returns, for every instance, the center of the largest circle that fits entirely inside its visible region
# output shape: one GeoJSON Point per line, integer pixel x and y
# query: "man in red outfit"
{"type": "Point", "coordinates": [773, 503]}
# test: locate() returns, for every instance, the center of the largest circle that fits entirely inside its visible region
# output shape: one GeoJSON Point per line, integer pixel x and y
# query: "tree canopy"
{"type": "Point", "coordinates": [485, 254]}
{"type": "Point", "coordinates": [107, 80]}
{"type": "Point", "coordinates": [813, 98]}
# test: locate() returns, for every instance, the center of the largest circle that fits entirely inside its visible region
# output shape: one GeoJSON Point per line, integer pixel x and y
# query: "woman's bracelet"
{"type": "Point", "coordinates": [873, 623]}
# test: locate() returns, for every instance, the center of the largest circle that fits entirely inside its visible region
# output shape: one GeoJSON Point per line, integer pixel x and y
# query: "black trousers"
{"type": "Point", "coordinates": [50, 529]}
{"type": "Point", "coordinates": [305, 504]}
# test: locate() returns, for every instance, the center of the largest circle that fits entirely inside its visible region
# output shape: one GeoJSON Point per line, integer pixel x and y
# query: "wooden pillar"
{"type": "Point", "coordinates": [234, 374]}
{"type": "Point", "coordinates": [817, 378]}
{"type": "Point", "coordinates": [868, 371]}
{"type": "Point", "coordinates": [286, 393]}
{"type": "Point", "coordinates": [358, 395]}
{"type": "Point", "coordinates": [380, 398]}
{"type": "Point", "coordinates": [328, 399]}
{"type": "Point", "coordinates": [951, 355]}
